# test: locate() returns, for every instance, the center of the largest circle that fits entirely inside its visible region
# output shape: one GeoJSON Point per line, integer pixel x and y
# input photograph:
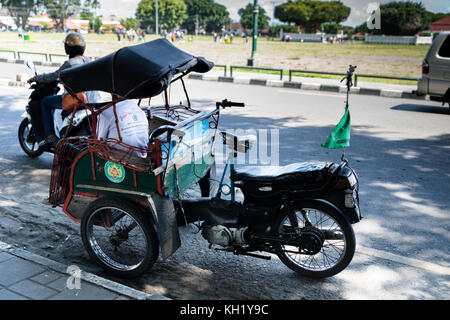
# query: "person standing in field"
{"type": "Point", "coordinates": [118, 34]}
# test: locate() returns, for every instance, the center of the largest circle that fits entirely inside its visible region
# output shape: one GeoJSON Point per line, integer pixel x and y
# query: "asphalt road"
{"type": "Point", "coordinates": [400, 149]}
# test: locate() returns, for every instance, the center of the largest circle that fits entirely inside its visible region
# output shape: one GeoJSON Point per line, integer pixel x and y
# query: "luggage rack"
{"type": "Point", "coordinates": [173, 113]}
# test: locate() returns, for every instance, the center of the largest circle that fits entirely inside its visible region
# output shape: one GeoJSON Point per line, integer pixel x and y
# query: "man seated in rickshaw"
{"type": "Point", "coordinates": [74, 46]}
{"type": "Point", "coordinates": [132, 123]}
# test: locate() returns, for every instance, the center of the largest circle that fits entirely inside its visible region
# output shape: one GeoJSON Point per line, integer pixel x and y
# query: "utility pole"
{"type": "Point", "coordinates": [156, 18]}
{"type": "Point", "coordinates": [196, 24]}
{"type": "Point", "coordinates": [251, 61]}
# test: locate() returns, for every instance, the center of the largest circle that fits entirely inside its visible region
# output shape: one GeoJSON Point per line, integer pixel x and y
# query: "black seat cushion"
{"type": "Point", "coordinates": [293, 173]}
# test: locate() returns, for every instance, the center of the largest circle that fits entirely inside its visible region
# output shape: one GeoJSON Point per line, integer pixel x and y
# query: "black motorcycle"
{"type": "Point", "coordinates": [301, 212]}
{"type": "Point", "coordinates": [31, 129]}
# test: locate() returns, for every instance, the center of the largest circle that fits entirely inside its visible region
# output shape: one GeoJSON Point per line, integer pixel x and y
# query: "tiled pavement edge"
{"type": "Point", "coordinates": [25, 275]}
{"type": "Point", "coordinates": [391, 93]}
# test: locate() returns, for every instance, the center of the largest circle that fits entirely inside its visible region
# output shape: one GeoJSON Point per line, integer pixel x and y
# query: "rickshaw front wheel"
{"type": "Point", "coordinates": [119, 237]}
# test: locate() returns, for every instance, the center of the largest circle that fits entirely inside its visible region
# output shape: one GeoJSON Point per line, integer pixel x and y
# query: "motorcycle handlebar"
{"type": "Point", "coordinates": [227, 104]}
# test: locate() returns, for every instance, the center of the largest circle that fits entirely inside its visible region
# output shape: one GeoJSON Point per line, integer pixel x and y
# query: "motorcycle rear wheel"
{"type": "Point", "coordinates": [336, 251]}
{"type": "Point", "coordinates": [27, 141]}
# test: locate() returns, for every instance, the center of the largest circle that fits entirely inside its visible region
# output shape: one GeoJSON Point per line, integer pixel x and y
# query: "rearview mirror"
{"type": "Point", "coordinates": [31, 66]}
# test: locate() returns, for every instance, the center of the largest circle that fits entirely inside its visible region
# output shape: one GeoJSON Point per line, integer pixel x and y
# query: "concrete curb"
{"type": "Point", "coordinates": [85, 276]}
{"type": "Point", "coordinates": [388, 93]}
{"type": "Point", "coordinates": [310, 86]}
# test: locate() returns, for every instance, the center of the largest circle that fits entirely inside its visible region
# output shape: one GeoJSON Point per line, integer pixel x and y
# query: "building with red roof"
{"type": "Point", "coordinates": [441, 24]}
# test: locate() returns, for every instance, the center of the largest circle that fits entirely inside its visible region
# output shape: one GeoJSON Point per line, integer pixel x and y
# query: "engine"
{"type": "Point", "coordinates": [223, 236]}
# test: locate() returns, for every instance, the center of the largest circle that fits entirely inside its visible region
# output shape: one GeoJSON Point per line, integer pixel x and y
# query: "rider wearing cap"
{"type": "Point", "coordinates": [74, 46]}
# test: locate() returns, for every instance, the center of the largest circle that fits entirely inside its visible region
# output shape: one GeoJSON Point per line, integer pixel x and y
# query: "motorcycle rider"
{"type": "Point", "coordinates": [74, 45]}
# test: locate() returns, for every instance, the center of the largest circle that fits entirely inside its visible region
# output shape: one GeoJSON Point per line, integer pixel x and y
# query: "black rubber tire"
{"type": "Point", "coordinates": [20, 134]}
{"type": "Point", "coordinates": [145, 222]}
{"type": "Point", "coordinates": [348, 234]}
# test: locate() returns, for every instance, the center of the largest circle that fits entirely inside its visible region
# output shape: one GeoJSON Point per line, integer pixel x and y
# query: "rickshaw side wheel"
{"type": "Point", "coordinates": [142, 220]}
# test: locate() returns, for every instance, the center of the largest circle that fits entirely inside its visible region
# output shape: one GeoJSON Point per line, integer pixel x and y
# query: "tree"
{"type": "Point", "coordinates": [219, 18]}
{"type": "Point", "coordinates": [330, 27]}
{"type": "Point", "coordinates": [86, 14]}
{"type": "Point", "coordinates": [310, 15]}
{"type": "Point", "coordinates": [20, 10]}
{"type": "Point", "coordinates": [171, 13]}
{"type": "Point", "coordinates": [205, 14]}
{"type": "Point", "coordinates": [129, 23]}
{"type": "Point", "coordinates": [60, 10]}
{"type": "Point", "coordinates": [437, 16]}
{"type": "Point", "coordinates": [403, 18]}
{"type": "Point", "coordinates": [95, 24]}
{"type": "Point", "coordinates": [246, 15]}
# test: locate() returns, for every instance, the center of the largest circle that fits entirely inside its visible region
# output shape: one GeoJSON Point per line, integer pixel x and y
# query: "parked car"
{"type": "Point", "coordinates": [435, 79]}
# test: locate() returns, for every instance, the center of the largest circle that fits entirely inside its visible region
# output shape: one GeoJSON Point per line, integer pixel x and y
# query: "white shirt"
{"type": "Point", "coordinates": [133, 125]}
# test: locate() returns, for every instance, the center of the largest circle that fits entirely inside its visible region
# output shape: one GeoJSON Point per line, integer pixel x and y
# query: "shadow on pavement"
{"type": "Point", "coordinates": [404, 198]}
{"type": "Point", "coordinates": [422, 108]}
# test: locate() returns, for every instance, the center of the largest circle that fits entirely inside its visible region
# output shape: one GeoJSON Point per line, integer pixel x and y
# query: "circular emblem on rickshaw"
{"type": "Point", "coordinates": [114, 172]}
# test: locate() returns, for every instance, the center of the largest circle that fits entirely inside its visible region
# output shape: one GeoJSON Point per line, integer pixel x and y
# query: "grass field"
{"type": "Point", "coordinates": [374, 59]}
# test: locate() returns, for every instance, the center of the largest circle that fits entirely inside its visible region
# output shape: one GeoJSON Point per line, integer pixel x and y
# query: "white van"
{"type": "Point", "coordinates": [435, 79]}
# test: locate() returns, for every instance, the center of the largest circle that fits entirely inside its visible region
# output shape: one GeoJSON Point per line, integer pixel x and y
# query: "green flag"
{"type": "Point", "coordinates": [340, 136]}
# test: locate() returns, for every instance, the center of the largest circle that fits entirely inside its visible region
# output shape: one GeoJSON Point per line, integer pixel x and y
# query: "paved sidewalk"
{"type": "Point", "coordinates": [27, 276]}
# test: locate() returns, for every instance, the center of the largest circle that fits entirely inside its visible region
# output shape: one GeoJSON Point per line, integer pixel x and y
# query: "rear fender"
{"type": "Point", "coordinates": [163, 215]}
{"type": "Point", "coordinates": [351, 215]}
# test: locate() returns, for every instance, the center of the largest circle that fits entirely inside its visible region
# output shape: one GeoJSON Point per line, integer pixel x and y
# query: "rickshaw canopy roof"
{"type": "Point", "coordinates": [139, 71]}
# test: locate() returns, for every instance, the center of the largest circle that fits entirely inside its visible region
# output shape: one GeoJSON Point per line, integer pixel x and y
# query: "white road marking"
{"type": "Point", "coordinates": [428, 266]}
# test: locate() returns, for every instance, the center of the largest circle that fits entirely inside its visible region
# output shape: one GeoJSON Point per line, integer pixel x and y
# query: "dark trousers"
{"type": "Point", "coordinates": [48, 104]}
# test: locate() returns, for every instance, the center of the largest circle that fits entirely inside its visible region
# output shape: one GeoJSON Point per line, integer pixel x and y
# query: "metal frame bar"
{"type": "Point", "coordinates": [291, 71]}
{"type": "Point", "coordinates": [381, 77]}
{"type": "Point", "coordinates": [256, 68]}
{"type": "Point", "coordinates": [28, 52]}
{"type": "Point", "coordinates": [222, 66]}
{"type": "Point", "coordinates": [9, 51]}
{"type": "Point", "coordinates": [55, 55]}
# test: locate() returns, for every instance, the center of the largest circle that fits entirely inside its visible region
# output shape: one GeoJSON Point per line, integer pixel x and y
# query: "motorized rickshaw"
{"type": "Point", "coordinates": [130, 207]}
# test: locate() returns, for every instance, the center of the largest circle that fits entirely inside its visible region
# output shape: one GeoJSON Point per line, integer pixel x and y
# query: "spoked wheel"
{"type": "Point", "coordinates": [27, 139]}
{"type": "Point", "coordinates": [119, 237]}
{"type": "Point", "coordinates": [328, 242]}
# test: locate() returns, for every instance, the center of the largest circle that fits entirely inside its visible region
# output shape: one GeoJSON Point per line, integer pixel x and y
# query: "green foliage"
{"type": "Point", "coordinates": [437, 16]}
{"type": "Point", "coordinates": [129, 23]}
{"type": "Point", "coordinates": [95, 24]}
{"type": "Point", "coordinates": [246, 15]}
{"type": "Point", "coordinates": [310, 15]}
{"type": "Point", "coordinates": [86, 14]}
{"type": "Point", "coordinates": [45, 25]}
{"type": "Point", "coordinates": [330, 27]}
{"type": "Point", "coordinates": [219, 18]}
{"type": "Point", "coordinates": [403, 18]}
{"type": "Point", "coordinates": [208, 14]}
{"type": "Point", "coordinates": [62, 9]}
{"type": "Point", "coordinates": [275, 30]}
{"type": "Point", "coordinates": [171, 13]}
{"type": "Point", "coordinates": [20, 9]}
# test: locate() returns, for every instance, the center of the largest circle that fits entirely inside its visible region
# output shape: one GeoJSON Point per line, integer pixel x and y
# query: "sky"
{"type": "Point", "coordinates": [358, 14]}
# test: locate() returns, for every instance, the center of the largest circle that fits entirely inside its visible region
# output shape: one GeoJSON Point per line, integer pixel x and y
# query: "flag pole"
{"type": "Point", "coordinates": [349, 84]}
